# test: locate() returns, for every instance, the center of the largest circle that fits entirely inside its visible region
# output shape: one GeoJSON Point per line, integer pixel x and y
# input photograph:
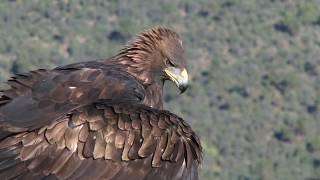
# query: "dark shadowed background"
{"type": "Point", "coordinates": [255, 68]}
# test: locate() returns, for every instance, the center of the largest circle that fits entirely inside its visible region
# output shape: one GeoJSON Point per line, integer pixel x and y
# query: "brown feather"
{"type": "Point", "coordinates": [60, 161]}
{"type": "Point", "coordinates": [31, 151]}
{"type": "Point", "coordinates": [148, 146]}
{"type": "Point", "coordinates": [146, 129]}
{"type": "Point", "coordinates": [117, 109]}
{"type": "Point", "coordinates": [128, 124]}
{"type": "Point", "coordinates": [97, 125]}
{"type": "Point", "coordinates": [41, 162]}
{"type": "Point", "coordinates": [69, 167]}
{"type": "Point", "coordinates": [156, 131]}
{"type": "Point", "coordinates": [95, 118]}
{"type": "Point", "coordinates": [156, 160]}
{"type": "Point", "coordinates": [110, 115]}
{"type": "Point", "coordinates": [121, 122]}
{"type": "Point", "coordinates": [168, 148]}
{"type": "Point", "coordinates": [135, 121]}
{"type": "Point", "coordinates": [109, 133]}
{"type": "Point", "coordinates": [79, 118]}
{"type": "Point", "coordinates": [153, 120]}
{"type": "Point", "coordinates": [162, 123]}
{"type": "Point", "coordinates": [112, 153]}
{"type": "Point", "coordinates": [89, 145]}
{"type": "Point", "coordinates": [80, 150]}
{"type": "Point", "coordinates": [71, 137]}
{"type": "Point", "coordinates": [53, 124]}
{"type": "Point", "coordinates": [10, 141]}
{"type": "Point", "coordinates": [99, 147]}
{"type": "Point", "coordinates": [29, 138]}
{"type": "Point", "coordinates": [188, 154]}
{"type": "Point", "coordinates": [82, 169]}
{"type": "Point", "coordinates": [56, 132]}
{"type": "Point", "coordinates": [119, 139]}
{"type": "Point", "coordinates": [61, 143]}
{"type": "Point", "coordinates": [178, 151]}
{"type": "Point", "coordinates": [13, 172]}
{"type": "Point", "coordinates": [136, 144]}
{"type": "Point", "coordinates": [84, 132]}
{"type": "Point", "coordinates": [174, 136]}
{"type": "Point", "coordinates": [128, 144]}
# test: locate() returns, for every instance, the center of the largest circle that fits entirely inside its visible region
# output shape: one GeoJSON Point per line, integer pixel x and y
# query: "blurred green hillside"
{"type": "Point", "coordinates": [255, 67]}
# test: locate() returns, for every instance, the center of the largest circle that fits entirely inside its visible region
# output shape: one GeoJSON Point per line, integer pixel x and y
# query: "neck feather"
{"type": "Point", "coordinates": [138, 62]}
{"type": "Point", "coordinates": [139, 59]}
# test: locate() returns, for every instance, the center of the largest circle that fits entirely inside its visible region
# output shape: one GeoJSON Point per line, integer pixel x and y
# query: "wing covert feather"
{"type": "Point", "coordinates": [153, 142]}
{"type": "Point", "coordinates": [44, 96]}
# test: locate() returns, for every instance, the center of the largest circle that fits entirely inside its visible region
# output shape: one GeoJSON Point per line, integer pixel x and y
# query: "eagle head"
{"type": "Point", "coordinates": [157, 55]}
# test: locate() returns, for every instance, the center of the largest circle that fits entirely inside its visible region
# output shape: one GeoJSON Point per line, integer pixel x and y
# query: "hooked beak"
{"type": "Point", "coordinates": [179, 77]}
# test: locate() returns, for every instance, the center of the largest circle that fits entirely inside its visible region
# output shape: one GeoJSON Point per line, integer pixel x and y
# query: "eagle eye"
{"type": "Point", "coordinates": [169, 63]}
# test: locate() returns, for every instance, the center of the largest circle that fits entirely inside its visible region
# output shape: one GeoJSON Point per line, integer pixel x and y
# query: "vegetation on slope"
{"type": "Point", "coordinates": [255, 66]}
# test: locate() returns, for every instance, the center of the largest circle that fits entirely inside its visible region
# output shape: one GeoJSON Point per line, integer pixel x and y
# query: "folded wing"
{"type": "Point", "coordinates": [102, 141]}
{"type": "Point", "coordinates": [40, 97]}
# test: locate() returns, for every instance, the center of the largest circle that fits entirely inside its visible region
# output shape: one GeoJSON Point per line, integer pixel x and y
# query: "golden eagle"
{"type": "Point", "coordinates": [100, 119]}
